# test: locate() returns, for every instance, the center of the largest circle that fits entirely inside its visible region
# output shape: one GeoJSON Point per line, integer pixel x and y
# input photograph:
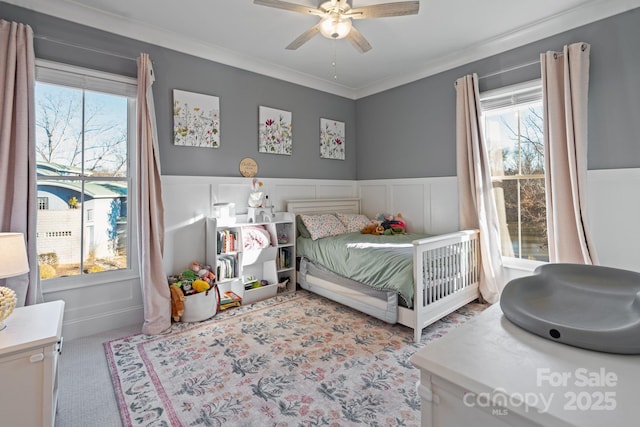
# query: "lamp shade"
{"type": "Point", "coordinates": [335, 26]}
{"type": "Point", "coordinates": [13, 255]}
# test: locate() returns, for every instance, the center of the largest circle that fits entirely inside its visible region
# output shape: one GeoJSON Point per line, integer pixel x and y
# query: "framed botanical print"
{"type": "Point", "coordinates": [274, 131]}
{"type": "Point", "coordinates": [196, 119]}
{"type": "Point", "coordinates": [332, 141]}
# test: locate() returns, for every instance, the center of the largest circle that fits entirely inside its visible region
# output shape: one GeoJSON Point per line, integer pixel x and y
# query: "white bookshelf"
{"type": "Point", "coordinates": [235, 266]}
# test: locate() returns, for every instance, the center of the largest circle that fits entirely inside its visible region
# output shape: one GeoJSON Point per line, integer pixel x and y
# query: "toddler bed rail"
{"type": "Point", "coordinates": [446, 271]}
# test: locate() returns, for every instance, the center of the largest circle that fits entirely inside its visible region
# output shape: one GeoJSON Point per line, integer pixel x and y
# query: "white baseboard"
{"type": "Point", "coordinates": [91, 325]}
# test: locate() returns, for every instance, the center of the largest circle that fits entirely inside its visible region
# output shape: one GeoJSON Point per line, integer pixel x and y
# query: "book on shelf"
{"type": "Point", "coordinates": [284, 258]}
{"type": "Point", "coordinates": [229, 299]}
{"type": "Point", "coordinates": [226, 267]}
{"type": "Point", "coordinates": [227, 241]}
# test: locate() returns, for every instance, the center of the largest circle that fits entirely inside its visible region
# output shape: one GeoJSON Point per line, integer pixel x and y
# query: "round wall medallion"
{"type": "Point", "coordinates": [248, 167]}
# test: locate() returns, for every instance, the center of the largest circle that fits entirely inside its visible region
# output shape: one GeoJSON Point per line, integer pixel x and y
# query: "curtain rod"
{"type": "Point", "coordinates": [66, 43]}
{"type": "Point", "coordinates": [506, 70]}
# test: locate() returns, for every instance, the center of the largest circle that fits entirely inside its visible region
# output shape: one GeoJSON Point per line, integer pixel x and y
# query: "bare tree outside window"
{"type": "Point", "coordinates": [514, 136]}
{"type": "Point", "coordinates": [82, 154]}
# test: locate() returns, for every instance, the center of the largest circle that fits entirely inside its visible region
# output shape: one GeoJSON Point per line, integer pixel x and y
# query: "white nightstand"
{"type": "Point", "coordinates": [29, 348]}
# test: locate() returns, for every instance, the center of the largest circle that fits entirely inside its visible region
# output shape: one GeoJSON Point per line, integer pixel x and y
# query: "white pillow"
{"type": "Point", "coordinates": [323, 225]}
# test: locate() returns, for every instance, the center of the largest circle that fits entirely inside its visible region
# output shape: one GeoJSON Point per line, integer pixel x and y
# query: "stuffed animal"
{"type": "Point", "coordinates": [374, 229]}
{"type": "Point", "coordinates": [400, 222]}
{"type": "Point", "coordinates": [200, 285]}
{"type": "Point", "coordinates": [188, 275]}
{"type": "Point", "coordinates": [177, 302]}
{"type": "Point", "coordinates": [394, 223]}
{"type": "Point", "coordinates": [207, 275]}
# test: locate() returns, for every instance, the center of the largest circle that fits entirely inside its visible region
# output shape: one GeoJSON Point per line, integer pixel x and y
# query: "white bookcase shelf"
{"type": "Point", "coordinates": [235, 266]}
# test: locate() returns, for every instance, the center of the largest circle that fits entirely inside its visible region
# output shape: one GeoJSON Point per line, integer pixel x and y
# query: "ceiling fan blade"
{"type": "Point", "coordinates": [304, 37]}
{"type": "Point", "coordinates": [358, 41]}
{"type": "Point", "coordinates": [279, 4]}
{"type": "Point", "coordinates": [385, 9]}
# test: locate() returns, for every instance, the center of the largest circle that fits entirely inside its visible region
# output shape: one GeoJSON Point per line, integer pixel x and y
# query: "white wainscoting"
{"type": "Point", "coordinates": [431, 204]}
{"type": "Point", "coordinates": [427, 204]}
{"type": "Point", "coordinates": [189, 200]}
{"type": "Point", "coordinates": [99, 307]}
{"type": "Point", "coordinates": [614, 214]}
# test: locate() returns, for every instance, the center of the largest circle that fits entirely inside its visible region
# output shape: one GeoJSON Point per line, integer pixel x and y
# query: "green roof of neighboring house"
{"type": "Point", "coordinates": [56, 169]}
{"type": "Point", "coordinates": [95, 189]}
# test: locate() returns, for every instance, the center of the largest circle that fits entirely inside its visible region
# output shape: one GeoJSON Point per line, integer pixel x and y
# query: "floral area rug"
{"type": "Point", "coordinates": [292, 360]}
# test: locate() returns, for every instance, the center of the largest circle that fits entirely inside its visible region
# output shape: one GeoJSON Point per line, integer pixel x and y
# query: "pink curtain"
{"type": "Point", "coordinates": [155, 290]}
{"type": "Point", "coordinates": [565, 86]}
{"type": "Point", "coordinates": [477, 204]}
{"type": "Point", "coordinates": [18, 188]}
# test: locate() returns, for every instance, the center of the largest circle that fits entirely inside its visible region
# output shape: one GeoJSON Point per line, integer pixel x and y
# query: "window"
{"type": "Point", "coordinates": [84, 146]}
{"type": "Point", "coordinates": [43, 203]}
{"type": "Point", "coordinates": [512, 120]}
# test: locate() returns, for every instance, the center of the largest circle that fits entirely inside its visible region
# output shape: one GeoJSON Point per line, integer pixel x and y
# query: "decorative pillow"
{"type": "Point", "coordinates": [323, 225]}
{"type": "Point", "coordinates": [353, 222]}
{"type": "Point", "coordinates": [255, 237]}
{"type": "Point", "coordinates": [301, 228]}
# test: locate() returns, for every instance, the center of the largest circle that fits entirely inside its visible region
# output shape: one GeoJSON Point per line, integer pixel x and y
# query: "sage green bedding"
{"type": "Point", "coordinates": [382, 262]}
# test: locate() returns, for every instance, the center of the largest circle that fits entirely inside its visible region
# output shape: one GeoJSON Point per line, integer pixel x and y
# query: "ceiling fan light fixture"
{"type": "Point", "coordinates": [335, 18]}
{"type": "Point", "coordinates": [335, 26]}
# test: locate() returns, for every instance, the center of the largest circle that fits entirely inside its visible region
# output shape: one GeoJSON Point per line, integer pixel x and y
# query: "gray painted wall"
{"type": "Point", "coordinates": [404, 132]}
{"type": "Point", "coordinates": [409, 131]}
{"type": "Point", "coordinates": [241, 93]}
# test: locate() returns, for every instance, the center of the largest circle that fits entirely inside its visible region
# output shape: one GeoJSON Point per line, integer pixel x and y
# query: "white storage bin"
{"type": "Point", "coordinates": [200, 306]}
{"type": "Point", "coordinates": [234, 285]}
{"type": "Point", "coordinates": [258, 294]}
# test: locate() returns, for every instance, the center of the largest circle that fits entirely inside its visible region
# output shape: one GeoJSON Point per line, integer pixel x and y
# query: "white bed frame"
{"type": "Point", "coordinates": [445, 268]}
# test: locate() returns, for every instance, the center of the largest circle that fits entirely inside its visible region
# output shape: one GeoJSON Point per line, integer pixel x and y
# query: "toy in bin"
{"type": "Point", "coordinates": [192, 294]}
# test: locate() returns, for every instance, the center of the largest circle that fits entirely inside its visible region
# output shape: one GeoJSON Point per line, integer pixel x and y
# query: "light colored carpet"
{"type": "Point", "coordinates": [86, 397]}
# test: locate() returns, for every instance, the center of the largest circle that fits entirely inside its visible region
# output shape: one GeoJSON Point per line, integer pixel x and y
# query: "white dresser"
{"type": "Point", "coordinates": [29, 349]}
{"type": "Point", "coordinates": [489, 372]}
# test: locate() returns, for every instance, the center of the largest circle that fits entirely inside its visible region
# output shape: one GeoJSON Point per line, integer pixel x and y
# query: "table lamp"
{"type": "Point", "coordinates": [13, 262]}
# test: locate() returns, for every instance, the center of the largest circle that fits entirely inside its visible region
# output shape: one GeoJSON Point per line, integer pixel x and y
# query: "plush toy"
{"type": "Point", "coordinates": [374, 229]}
{"type": "Point", "coordinates": [200, 285]}
{"type": "Point", "coordinates": [400, 222]}
{"type": "Point", "coordinates": [177, 302]}
{"type": "Point", "coordinates": [189, 275]}
{"type": "Point", "coordinates": [394, 223]}
{"type": "Point", "coordinates": [206, 275]}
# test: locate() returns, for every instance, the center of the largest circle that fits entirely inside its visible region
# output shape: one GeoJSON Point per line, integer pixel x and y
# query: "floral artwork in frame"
{"type": "Point", "coordinates": [332, 142]}
{"type": "Point", "coordinates": [275, 131]}
{"type": "Point", "coordinates": [196, 119]}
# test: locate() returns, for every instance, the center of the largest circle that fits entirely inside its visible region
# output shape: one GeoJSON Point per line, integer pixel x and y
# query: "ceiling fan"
{"type": "Point", "coordinates": [336, 18]}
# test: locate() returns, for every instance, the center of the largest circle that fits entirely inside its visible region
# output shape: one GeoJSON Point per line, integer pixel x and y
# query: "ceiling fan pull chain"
{"type": "Point", "coordinates": [333, 62]}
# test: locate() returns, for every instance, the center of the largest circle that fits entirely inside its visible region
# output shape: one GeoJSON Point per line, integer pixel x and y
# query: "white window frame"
{"type": "Point", "coordinates": [88, 79]}
{"type": "Point", "coordinates": [506, 96]}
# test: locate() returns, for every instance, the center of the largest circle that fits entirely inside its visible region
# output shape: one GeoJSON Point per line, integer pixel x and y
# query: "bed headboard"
{"type": "Point", "coordinates": [316, 206]}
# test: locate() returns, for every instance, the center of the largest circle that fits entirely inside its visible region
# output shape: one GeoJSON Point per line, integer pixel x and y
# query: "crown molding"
{"type": "Point", "coordinates": [133, 29]}
{"type": "Point", "coordinates": [573, 18]}
{"type": "Point", "coordinates": [559, 23]}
